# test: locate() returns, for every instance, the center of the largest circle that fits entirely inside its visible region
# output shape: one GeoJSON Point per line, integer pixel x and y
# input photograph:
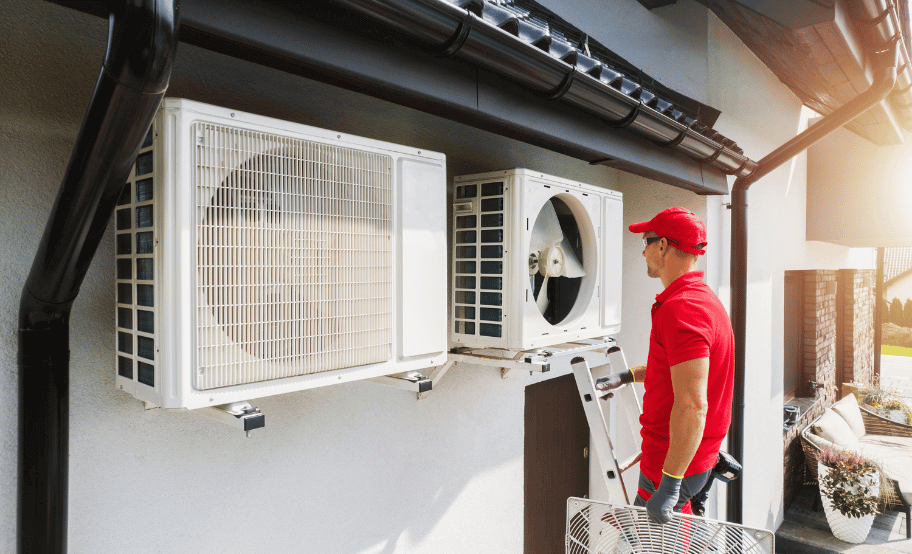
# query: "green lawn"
{"type": "Point", "coordinates": [895, 350]}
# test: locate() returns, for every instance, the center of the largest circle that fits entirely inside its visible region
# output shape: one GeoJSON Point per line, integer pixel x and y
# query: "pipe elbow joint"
{"type": "Point", "coordinates": [35, 313]}
{"type": "Point", "coordinates": [886, 64]}
{"type": "Point", "coordinates": [142, 43]}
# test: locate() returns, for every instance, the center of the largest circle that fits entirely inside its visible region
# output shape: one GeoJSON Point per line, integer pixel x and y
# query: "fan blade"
{"type": "Point", "coordinates": [542, 300]}
{"type": "Point", "coordinates": [572, 266]}
{"type": "Point", "coordinates": [547, 229]}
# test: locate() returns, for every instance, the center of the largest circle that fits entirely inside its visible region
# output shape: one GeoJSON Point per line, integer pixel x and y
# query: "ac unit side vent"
{"type": "Point", "coordinates": [135, 288]}
{"type": "Point", "coordinates": [294, 256]}
{"type": "Point", "coordinates": [479, 261]}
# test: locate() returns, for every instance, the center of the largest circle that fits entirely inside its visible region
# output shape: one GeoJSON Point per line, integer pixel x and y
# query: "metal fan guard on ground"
{"type": "Point", "coordinates": [603, 528]}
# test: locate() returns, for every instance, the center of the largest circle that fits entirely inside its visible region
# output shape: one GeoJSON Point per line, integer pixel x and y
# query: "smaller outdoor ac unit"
{"type": "Point", "coordinates": [256, 257]}
{"type": "Point", "coordinates": [536, 260]}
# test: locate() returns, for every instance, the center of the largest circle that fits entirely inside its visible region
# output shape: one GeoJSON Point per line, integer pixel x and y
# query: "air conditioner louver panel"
{"type": "Point", "coordinates": [294, 254]}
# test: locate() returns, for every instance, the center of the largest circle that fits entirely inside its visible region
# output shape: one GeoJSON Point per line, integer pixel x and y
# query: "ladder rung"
{"type": "Point", "coordinates": [630, 462]}
{"type": "Point", "coordinates": [598, 426]}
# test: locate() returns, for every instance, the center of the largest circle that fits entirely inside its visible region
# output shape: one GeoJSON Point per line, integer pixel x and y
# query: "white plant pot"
{"type": "Point", "coordinates": [845, 528]}
{"type": "Point", "coordinates": [898, 416]}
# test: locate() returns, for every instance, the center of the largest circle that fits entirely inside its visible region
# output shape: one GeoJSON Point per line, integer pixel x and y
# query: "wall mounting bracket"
{"type": "Point", "coordinates": [413, 381]}
{"type": "Point", "coordinates": [237, 414]}
{"type": "Point", "coordinates": [540, 359]}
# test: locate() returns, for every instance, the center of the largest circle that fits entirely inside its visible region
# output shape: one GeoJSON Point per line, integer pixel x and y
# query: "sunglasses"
{"type": "Point", "coordinates": [649, 240]}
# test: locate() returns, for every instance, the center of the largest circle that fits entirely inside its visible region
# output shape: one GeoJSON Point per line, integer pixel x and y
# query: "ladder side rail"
{"type": "Point", "coordinates": [600, 435]}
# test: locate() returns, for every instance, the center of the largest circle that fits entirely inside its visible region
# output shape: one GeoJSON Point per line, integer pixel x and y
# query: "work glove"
{"type": "Point", "coordinates": [660, 505]}
{"type": "Point", "coordinates": [614, 381]}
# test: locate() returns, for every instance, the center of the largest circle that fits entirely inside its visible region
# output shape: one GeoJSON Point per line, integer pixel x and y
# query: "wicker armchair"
{"type": "Point", "coordinates": [891, 495]}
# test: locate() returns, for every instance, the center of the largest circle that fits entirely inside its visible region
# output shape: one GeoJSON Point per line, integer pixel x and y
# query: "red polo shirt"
{"type": "Point", "coordinates": [688, 322]}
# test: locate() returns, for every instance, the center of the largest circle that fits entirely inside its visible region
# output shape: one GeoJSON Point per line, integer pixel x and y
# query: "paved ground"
{"type": "Point", "coordinates": [805, 531]}
{"type": "Point", "coordinates": [896, 373]}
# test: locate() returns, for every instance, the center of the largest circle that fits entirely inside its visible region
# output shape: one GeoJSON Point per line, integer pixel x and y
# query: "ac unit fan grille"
{"type": "Point", "coordinates": [294, 254]}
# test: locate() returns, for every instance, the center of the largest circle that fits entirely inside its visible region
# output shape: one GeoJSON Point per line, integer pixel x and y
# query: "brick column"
{"type": "Point", "coordinates": [819, 334]}
{"type": "Point", "coordinates": [858, 333]}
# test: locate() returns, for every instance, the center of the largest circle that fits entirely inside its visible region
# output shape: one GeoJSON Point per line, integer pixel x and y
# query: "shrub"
{"type": "Point", "coordinates": [851, 461]}
{"type": "Point", "coordinates": [849, 482]}
{"type": "Point", "coordinates": [894, 335]}
{"type": "Point", "coordinates": [907, 313]}
{"type": "Point", "coordinates": [896, 312]}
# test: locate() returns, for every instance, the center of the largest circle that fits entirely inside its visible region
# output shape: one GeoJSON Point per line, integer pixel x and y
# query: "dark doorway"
{"type": "Point", "coordinates": [844, 284]}
{"type": "Point", "coordinates": [793, 344]}
{"type": "Point", "coordinates": [556, 461]}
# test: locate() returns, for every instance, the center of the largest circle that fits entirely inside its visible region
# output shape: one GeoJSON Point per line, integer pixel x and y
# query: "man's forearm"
{"type": "Point", "coordinates": [685, 433]}
{"type": "Point", "coordinates": [639, 373]}
{"type": "Point", "coordinates": [688, 413]}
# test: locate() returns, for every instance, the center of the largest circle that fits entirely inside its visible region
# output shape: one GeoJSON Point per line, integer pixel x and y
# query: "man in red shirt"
{"type": "Point", "coordinates": [689, 372]}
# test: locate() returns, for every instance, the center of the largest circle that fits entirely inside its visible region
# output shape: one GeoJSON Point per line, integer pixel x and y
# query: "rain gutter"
{"type": "Point", "coordinates": [450, 30]}
{"type": "Point", "coordinates": [880, 23]}
{"type": "Point", "coordinates": [885, 62]}
{"type": "Point", "coordinates": [429, 55]}
{"type": "Point", "coordinates": [142, 37]}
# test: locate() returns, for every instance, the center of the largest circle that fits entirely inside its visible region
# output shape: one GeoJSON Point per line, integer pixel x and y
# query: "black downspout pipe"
{"type": "Point", "coordinates": [142, 39]}
{"type": "Point", "coordinates": [885, 63]}
{"type": "Point", "coordinates": [878, 310]}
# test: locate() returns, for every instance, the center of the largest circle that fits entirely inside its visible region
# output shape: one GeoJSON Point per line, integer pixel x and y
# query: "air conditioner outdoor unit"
{"type": "Point", "coordinates": [256, 257]}
{"type": "Point", "coordinates": [536, 260]}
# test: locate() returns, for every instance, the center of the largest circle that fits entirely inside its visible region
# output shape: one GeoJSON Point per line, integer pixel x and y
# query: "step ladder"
{"type": "Point", "coordinates": [617, 527]}
{"type": "Point", "coordinates": [595, 407]}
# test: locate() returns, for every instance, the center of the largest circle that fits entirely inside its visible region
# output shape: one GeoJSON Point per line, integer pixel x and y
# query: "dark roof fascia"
{"type": "Point", "coordinates": [342, 48]}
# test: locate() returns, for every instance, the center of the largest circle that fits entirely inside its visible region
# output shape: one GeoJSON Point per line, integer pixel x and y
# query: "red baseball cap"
{"type": "Point", "coordinates": [683, 229]}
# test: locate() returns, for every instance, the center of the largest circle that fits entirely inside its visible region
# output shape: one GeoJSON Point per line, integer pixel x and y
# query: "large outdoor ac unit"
{"type": "Point", "coordinates": [256, 257]}
{"type": "Point", "coordinates": [536, 260]}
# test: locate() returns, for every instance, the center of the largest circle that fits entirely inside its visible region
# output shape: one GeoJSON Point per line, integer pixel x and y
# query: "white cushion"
{"type": "Point", "coordinates": [894, 455]}
{"type": "Point", "coordinates": [821, 443]}
{"type": "Point", "coordinates": [851, 413]}
{"type": "Point", "coordinates": [832, 427]}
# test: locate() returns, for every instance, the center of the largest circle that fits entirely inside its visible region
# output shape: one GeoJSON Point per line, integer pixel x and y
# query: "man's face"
{"type": "Point", "coordinates": [653, 253]}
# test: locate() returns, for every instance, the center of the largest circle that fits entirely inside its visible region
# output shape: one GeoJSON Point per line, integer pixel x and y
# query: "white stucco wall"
{"type": "Point", "coordinates": [356, 468]}
{"type": "Point", "coordinates": [901, 289]}
{"type": "Point", "coordinates": [762, 114]}
{"type": "Point", "coordinates": [862, 191]}
{"type": "Point", "coordinates": [362, 468]}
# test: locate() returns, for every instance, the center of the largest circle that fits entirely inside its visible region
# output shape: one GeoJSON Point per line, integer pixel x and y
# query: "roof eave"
{"type": "Point", "coordinates": [827, 63]}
